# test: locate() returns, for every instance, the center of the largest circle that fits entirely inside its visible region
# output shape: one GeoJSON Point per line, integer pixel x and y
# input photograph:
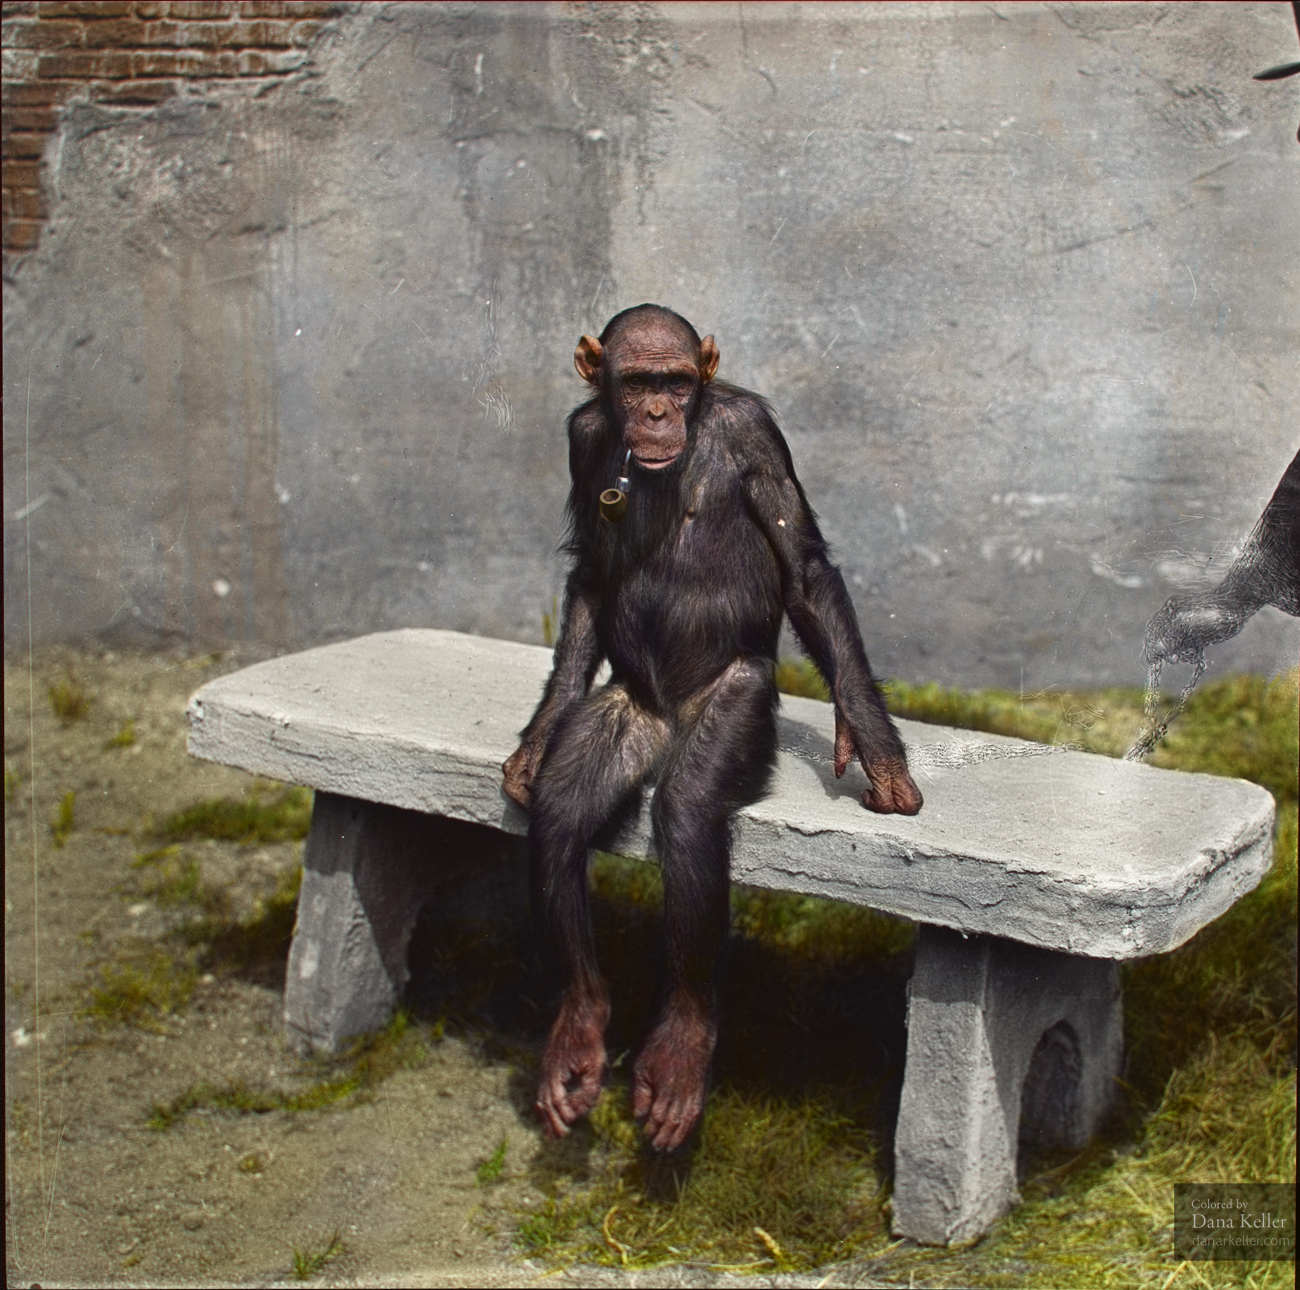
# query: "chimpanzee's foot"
{"type": "Point", "coordinates": [573, 1065]}
{"type": "Point", "coordinates": [668, 1084]}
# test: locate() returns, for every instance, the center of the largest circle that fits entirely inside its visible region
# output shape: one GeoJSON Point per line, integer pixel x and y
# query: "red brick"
{"type": "Point", "coordinates": [31, 118]}
{"type": "Point", "coordinates": [21, 174]}
{"type": "Point", "coordinates": [255, 62]}
{"type": "Point", "coordinates": [197, 10]}
{"type": "Point", "coordinates": [305, 32]}
{"type": "Point", "coordinates": [257, 35]}
{"type": "Point", "coordinates": [22, 235]}
{"type": "Point", "coordinates": [187, 62]}
{"type": "Point", "coordinates": [12, 8]}
{"type": "Point", "coordinates": [214, 35]}
{"type": "Point", "coordinates": [294, 8]}
{"type": "Point", "coordinates": [22, 33]}
{"type": "Point", "coordinates": [22, 145]}
{"type": "Point", "coordinates": [134, 93]}
{"type": "Point", "coordinates": [25, 203]}
{"type": "Point", "coordinates": [151, 9]}
{"type": "Point", "coordinates": [81, 64]}
{"type": "Point", "coordinates": [119, 33]}
{"type": "Point", "coordinates": [37, 93]}
{"type": "Point", "coordinates": [85, 9]}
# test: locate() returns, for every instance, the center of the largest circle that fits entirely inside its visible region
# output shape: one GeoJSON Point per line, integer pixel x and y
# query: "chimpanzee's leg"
{"type": "Point", "coordinates": [598, 754]}
{"type": "Point", "coordinates": [720, 760]}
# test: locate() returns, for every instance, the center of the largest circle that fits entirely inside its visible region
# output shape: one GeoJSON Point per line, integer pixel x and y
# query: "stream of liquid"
{"type": "Point", "coordinates": [1157, 727]}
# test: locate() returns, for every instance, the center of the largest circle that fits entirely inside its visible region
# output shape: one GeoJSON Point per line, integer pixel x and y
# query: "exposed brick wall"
{"type": "Point", "coordinates": [130, 54]}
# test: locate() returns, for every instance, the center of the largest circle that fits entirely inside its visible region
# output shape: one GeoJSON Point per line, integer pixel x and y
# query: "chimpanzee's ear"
{"type": "Point", "coordinates": [587, 358]}
{"type": "Point", "coordinates": [709, 357]}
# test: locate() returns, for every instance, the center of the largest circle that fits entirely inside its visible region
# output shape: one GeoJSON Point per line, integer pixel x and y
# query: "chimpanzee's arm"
{"type": "Point", "coordinates": [577, 656]}
{"type": "Point", "coordinates": [577, 652]}
{"type": "Point", "coordinates": [822, 616]}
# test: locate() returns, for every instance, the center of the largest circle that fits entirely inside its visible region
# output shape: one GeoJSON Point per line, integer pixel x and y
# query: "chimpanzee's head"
{"type": "Point", "coordinates": [649, 366]}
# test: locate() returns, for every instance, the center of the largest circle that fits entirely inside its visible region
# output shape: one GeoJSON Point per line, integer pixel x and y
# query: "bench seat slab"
{"type": "Point", "coordinates": [1064, 850]}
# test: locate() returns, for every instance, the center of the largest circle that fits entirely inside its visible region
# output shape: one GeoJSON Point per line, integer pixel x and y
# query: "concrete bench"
{"type": "Point", "coordinates": [1033, 873]}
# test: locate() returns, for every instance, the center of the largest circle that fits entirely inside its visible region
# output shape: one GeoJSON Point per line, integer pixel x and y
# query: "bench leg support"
{"type": "Point", "coordinates": [362, 887]}
{"type": "Point", "coordinates": [367, 871]}
{"type": "Point", "coordinates": [1006, 1045]}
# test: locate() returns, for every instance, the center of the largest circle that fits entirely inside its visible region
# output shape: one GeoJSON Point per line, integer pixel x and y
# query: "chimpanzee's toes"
{"type": "Point", "coordinates": [573, 1067]}
{"type": "Point", "coordinates": [670, 1080]}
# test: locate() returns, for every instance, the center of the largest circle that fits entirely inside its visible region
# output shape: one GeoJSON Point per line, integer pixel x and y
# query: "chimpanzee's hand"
{"type": "Point", "coordinates": [892, 790]}
{"type": "Point", "coordinates": [519, 769]}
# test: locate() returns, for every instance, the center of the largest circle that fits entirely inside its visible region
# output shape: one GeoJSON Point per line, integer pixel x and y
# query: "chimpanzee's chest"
{"type": "Point", "coordinates": [692, 582]}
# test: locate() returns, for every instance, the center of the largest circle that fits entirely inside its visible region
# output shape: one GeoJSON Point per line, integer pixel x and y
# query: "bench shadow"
{"type": "Point", "coordinates": [793, 1028]}
{"type": "Point", "coordinates": [813, 747]}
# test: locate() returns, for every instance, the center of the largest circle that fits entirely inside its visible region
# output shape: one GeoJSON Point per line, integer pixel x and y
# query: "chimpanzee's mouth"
{"type": "Point", "coordinates": [655, 465]}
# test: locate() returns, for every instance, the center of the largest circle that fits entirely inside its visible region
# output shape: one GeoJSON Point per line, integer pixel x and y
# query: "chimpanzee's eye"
{"type": "Point", "coordinates": [680, 386]}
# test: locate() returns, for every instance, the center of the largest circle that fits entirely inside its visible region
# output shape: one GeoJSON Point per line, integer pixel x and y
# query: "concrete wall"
{"type": "Point", "coordinates": [1020, 281]}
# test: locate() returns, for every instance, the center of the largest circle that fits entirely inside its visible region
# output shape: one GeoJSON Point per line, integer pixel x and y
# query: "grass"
{"type": "Point", "coordinates": [270, 813]}
{"type": "Point", "coordinates": [308, 1263]}
{"type": "Point", "coordinates": [62, 818]}
{"type": "Point", "coordinates": [176, 880]}
{"type": "Point", "coordinates": [800, 676]}
{"type": "Point", "coordinates": [551, 623]}
{"type": "Point", "coordinates": [490, 1170]}
{"type": "Point", "coordinates": [124, 738]}
{"type": "Point", "coordinates": [346, 1079]}
{"type": "Point", "coordinates": [144, 983]}
{"type": "Point", "coordinates": [70, 700]}
{"type": "Point", "coordinates": [775, 1185]}
{"type": "Point", "coordinates": [141, 985]}
{"type": "Point", "coordinates": [787, 1173]}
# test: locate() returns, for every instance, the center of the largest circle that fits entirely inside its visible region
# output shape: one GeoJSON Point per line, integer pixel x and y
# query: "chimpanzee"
{"type": "Point", "coordinates": [683, 592]}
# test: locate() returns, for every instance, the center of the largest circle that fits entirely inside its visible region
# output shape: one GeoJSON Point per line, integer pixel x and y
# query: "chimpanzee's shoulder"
{"type": "Point", "coordinates": [586, 436]}
{"type": "Point", "coordinates": [749, 425]}
{"type": "Point", "coordinates": [586, 422]}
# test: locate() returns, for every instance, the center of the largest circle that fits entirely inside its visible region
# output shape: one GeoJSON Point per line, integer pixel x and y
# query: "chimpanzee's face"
{"type": "Point", "coordinates": [650, 374]}
{"type": "Point", "coordinates": [654, 392]}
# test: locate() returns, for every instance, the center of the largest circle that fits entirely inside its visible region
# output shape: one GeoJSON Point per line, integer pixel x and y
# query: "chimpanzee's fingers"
{"type": "Point", "coordinates": [657, 1124]}
{"type": "Point", "coordinates": [892, 792]}
{"type": "Point", "coordinates": [641, 1096]}
{"type": "Point", "coordinates": [673, 1129]}
{"type": "Point", "coordinates": [651, 1111]}
{"type": "Point", "coordinates": [518, 770]}
{"type": "Point", "coordinates": [550, 1100]}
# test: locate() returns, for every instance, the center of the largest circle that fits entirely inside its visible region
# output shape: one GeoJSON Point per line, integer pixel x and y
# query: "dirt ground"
{"type": "Point", "coordinates": [94, 1195]}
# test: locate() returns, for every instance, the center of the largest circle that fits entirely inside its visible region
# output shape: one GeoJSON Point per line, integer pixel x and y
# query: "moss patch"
{"type": "Point", "coordinates": [339, 1080]}
{"type": "Point", "coordinates": [270, 813]}
{"type": "Point", "coordinates": [141, 985]}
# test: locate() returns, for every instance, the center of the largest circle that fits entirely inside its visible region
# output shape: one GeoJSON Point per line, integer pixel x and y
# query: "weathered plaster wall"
{"type": "Point", "coordinates": [1019, 281]}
